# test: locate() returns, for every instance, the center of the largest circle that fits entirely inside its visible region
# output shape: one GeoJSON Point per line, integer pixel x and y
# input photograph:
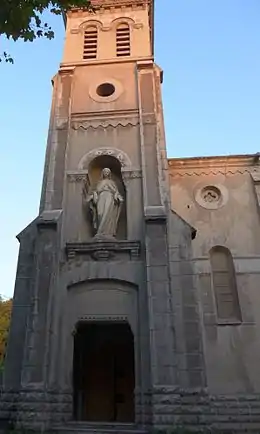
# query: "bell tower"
{"type": "Point", "coordinates": [108, 90]}
{"type": "Point", "coordinates": [96, 332]}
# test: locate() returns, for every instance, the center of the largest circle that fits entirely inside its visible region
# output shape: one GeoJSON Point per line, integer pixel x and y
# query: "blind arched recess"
{"type": "Point", "coordinates": [224, 284]}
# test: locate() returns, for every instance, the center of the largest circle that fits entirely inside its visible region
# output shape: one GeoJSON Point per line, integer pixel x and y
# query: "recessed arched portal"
{"type": "Point", "coordinates": [103, 372]}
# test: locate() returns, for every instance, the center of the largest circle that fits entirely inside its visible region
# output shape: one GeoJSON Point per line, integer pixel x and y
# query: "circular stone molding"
{"type": "Point", "coordinates": [211, 196]}
{"type": "Point", "coordinates": [105, 90]}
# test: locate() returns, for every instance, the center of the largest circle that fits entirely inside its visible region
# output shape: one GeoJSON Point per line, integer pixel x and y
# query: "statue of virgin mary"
{"type": "Point", "coordinates": [105, 204]}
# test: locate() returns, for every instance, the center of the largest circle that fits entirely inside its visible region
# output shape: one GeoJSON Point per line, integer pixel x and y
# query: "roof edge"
{"type": "Point", "coordinates": [218, 160]}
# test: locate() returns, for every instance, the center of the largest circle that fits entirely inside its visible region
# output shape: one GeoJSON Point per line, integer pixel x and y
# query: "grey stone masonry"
{"type": "Point", "coordinates": [198, 411]}
{"type": "Point", "coordinates": [160, 315]}
{"type": "Point", "coordinates": [187, 321]}
{"type": "Point", "coordinates": [138, 275]}
{"type": "Point", "coordinates": [25, 397]}
{"type": "Point", "coordinates": [21, 308]}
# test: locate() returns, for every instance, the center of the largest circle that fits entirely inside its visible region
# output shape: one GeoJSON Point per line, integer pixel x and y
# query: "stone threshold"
{"type": "Point", "coordinates": [98, 427]}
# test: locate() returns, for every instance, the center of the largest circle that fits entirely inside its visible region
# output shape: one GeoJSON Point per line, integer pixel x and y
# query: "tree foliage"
{"type": "Point", "coordinates": [23, 19]}
{"type": "Point", "coordinates": [5, 316]}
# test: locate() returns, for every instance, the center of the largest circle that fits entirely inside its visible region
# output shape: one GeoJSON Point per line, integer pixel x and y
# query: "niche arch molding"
{"type": "Point", "coordinates": [121, 156]}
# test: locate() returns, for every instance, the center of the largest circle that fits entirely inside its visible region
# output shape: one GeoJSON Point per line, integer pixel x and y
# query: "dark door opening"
{"type": "Point", "coordinates": [103, 372]}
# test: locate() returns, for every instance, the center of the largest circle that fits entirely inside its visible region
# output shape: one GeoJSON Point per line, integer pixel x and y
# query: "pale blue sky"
{"type": "Point", "coordinates": [210, 53]}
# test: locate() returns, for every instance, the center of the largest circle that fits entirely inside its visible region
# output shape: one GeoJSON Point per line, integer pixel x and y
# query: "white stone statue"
{"type": "Point", "coordinates": [105, 204]}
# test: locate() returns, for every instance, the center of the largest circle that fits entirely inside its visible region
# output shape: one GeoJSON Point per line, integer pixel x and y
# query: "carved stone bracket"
{"type": "Point", "coordinates": [255, 173]}
{"type": "Point", "coordinates": [104, 250]}
{"type": "Point", "coordinates": [61, 123]}
{"type": "Point", "coordinates": [131, 174]}
{"type": "Point", "coordinates": [149, 119]}
{"type": "Point", "coordinates": [138, 26]}
{"type": "Point", "coordinates": [76, 177]}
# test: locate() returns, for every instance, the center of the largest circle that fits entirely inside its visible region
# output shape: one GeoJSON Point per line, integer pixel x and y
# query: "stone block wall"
{"type": "Point", "coordinates": [198, 411]}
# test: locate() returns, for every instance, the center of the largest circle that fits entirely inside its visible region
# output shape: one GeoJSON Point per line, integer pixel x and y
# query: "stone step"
{"type": "Point", "coordinates": [97, 428]}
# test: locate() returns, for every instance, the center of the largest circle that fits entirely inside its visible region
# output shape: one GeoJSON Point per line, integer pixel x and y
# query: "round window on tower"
{"type": "Point", "coordinates": [105, 89]}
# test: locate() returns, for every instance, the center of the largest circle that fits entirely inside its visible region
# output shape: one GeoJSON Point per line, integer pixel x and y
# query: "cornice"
{"type": "Point", "coordinates": [230, 164]}
{"type": "Point", "coordinates": [102, 5]}
{"type": "Point", "coordinates": [105, 114]}
{"type": "Point", "coordinates": [104, 119]}
{"type": "Point", "coordinates": [98, 62]}
{"type": "Point", "coordinates": [76, 125]}
{"type": "Point", "coordinates": [114, 3]}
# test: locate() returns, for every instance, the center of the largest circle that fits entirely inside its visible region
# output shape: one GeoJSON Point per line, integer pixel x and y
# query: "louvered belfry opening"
{"type": "Point", "coordinates": [123, 40]}
{"type": "Point", "coordinates": [90, 43]}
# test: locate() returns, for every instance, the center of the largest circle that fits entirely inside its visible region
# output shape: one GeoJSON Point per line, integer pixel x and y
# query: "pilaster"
{"type": "Point", "coordinates": [40, 329]}
{"type": "Point", "coordinates": [155, 227]}
{"type": "Point", "coordinates": [55, 159]}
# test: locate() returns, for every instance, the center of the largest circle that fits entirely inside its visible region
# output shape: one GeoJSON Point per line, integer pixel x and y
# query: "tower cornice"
{"type": "Point", "coordinates": [116, 3]}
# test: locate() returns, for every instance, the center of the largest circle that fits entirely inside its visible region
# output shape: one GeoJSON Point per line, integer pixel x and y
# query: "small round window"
{"type": "Point", "coordinates": [105, 89]}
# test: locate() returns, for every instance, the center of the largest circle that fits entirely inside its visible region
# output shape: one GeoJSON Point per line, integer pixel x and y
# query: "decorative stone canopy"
{"type": "Point", "coordinates": [103, 250]}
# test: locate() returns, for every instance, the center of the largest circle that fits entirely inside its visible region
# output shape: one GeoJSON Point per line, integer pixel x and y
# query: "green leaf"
{"type": "Point", "coordinates": [22, 19]}
{"type": "Point", "coordinates": [37, 21]}
{"type": "Point", "coordinates": [50, 34]}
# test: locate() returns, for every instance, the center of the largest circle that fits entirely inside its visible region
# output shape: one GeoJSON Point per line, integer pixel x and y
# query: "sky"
{"type": "Point", "coordinates": [210, 53]}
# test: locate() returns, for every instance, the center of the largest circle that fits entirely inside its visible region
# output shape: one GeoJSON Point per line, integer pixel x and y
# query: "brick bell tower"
{"type": "Point", "coordinates": [95, 316]}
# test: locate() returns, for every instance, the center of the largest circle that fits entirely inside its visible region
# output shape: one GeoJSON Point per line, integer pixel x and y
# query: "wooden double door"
{"type": "Point", "coordinates": [104, 377]}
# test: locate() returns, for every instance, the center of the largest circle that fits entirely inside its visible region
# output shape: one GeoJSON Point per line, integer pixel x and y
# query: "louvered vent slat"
{"type": "Point", "coordinates": [90, 44]}
{"type": "Point", "coordinates": [123, 41]}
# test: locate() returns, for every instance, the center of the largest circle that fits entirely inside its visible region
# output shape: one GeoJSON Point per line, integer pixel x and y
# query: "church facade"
{"type": "Point", "coordinates": [137, 294]}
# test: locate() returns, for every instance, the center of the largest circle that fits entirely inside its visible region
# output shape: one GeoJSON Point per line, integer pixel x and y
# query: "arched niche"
{"type": "Point", "coordinates": [224, 284]}
{"type": "Point", "coordinates": [94, 169]}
